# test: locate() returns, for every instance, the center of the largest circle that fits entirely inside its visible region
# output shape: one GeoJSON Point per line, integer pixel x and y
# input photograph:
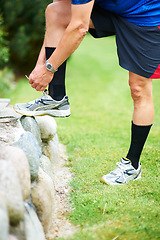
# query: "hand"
{"type": "Point", "coordinates": [40, 77]}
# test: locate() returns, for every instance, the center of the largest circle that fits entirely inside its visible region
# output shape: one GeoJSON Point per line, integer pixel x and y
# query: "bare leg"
{"type": "Point", "coordinates": [55, 25]}
{"type": "Point", "coordinates": [141, 92]}
{"type": "Point", "coordinates": [58, 15]}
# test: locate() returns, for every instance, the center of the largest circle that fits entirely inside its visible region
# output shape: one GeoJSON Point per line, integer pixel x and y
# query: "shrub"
{"type": "Point", "coordinates": [25, 24]}
{"type": "Point", "coordinates": [6, 82]}
{"type": "Point", "coordinates": [4, 49]}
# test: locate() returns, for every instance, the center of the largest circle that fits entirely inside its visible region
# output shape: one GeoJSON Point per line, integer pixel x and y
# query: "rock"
{"type": "Point", "coordinates": [33, 227]}
{"type": "Point", "coordinates": [43, 199]}
{"type": "Point", "coordinates": [18, 159]}
{"type": "Point", "coordinates": [18, 231]}
{"type": "Point", "coordinates": [31, 148]}
{"type": "Point", "coordinates": [4, 221]}
{"type": "Point", "coordinates": [10, 187]}
{"type": "Point", "coordinates": [48, 127]}
{"type": "Point", "coordinates": [45, 164]}
{"type": "Point", "coordinates": [12, 237]}
{"type": "Point", "coordinates": [51, 149]}
{"type": "Point", "coordinates": [4, 102]}
{"type": "Point", "coordinates": [56, 140]}
{"type": "Point", "coordinates": [10, 128]}
{"type": "Point", "coordinates": [29, 124]}
{"type": "Point", "coordinates": [8, 112]}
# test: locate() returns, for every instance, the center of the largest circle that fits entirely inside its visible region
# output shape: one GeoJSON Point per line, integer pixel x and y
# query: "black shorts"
{"type": "Point", "coordinates": [138, 47]}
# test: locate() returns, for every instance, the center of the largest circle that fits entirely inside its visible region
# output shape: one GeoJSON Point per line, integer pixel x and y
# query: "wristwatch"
{"type": "Point", "coordinates": [50, 67]}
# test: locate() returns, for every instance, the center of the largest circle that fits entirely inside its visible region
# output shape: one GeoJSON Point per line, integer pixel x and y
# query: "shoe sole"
{"type": "Point", "coordinates": [114, 183]}
{"type": "Point", "coordinates": [53, 113]}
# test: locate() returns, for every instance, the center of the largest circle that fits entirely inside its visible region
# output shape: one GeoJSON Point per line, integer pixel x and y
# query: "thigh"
{"type": "Point", "coordinates": [138, 82]}
{"type": "Point", "coordinates": [59, 12]}
{"type": "Point", "coordinates": [63, 8]}
{"type": "Point", "coordinates": [101, 24]}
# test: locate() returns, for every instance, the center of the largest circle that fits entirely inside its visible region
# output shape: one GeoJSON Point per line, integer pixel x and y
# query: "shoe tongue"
{"type": "Point", "coordinates": [125, 161]}
{"type": "Point", "coordinates": [47, 97]}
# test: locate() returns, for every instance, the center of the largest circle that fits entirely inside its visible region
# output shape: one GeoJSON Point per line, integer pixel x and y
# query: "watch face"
{"type": "Point", "coordinates": [49, 66]}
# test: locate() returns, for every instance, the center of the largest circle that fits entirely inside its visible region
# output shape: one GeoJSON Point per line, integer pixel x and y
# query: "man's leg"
{"type": "Point", "coordinates": [129, 167]}
{"type": "Point", "coordinates": [141, 92]}
{"type": "Point", "coordinates": [56, 104]}
{"type": "Point", "coordinates": [58, 16]}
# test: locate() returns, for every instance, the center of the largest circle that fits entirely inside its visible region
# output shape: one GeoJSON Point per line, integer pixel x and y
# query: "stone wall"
{"type": "Point", "coordinates": [28, 152]}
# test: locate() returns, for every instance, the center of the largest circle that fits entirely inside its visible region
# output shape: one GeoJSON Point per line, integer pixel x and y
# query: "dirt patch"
{"type": "Point", "coordinates": [61, 227]}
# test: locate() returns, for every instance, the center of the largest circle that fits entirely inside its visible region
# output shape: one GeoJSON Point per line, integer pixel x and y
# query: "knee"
{"type": "Point", "coordinates": [58, 14]}
{"type": "Point", "coordinates": [136, 92]}
{"type": "Point", "coordinates": [141, 88]}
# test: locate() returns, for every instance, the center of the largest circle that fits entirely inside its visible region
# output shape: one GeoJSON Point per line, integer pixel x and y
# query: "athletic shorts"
{"type": "Point", "coordinates": [138, 47]}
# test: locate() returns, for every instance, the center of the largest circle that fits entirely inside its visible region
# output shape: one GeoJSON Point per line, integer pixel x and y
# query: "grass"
{"type": "Point", "coordinates": [97, 135]}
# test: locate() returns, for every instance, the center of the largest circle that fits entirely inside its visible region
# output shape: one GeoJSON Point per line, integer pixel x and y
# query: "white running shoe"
{"type": "Point", "coordinates": [44, 105]}
{"type": "Point", "coordinates": [122, 174]}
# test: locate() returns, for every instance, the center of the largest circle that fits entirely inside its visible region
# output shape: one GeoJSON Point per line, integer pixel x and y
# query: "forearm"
{"type": "Point", "coordinates": [71, 39]}
{"type": "Point", "coordinates": [73, 35]}
{"type": "Point", "coordinates": [68, 44]}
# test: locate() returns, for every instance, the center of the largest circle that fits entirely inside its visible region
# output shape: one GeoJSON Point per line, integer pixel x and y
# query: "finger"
{"type": "Point", "coordinates": [42, 89]}
{"type": "Point", "coordinates": [31, 81]}
{"type": "Point", "coordinates": [38, 88]}
{"type": "Point", "coordinates": [34, 85]}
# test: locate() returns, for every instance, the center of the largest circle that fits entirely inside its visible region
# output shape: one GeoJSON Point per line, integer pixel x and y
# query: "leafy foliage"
{"type": "Point", "coordinates": [25, 24]}
{"type": "Point", "coordinates": [4, 50]}
{"type": "Point", "coordinates": [6, 82]}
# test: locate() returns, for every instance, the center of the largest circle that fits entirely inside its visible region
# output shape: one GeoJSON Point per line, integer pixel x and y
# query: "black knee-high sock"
{"type": "Point", "coordinates": [138, 137]}
{"type": "Point", "coordinates": [57, 86]}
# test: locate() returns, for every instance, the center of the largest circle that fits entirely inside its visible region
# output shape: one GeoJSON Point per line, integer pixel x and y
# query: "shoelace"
{"type": "Point", "coordinates": [45, 93]}
{"type": "Point", "coordinates": [120, 169]}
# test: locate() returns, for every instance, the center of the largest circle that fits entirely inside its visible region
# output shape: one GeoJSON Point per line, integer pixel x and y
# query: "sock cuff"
{"type": "Point", "coordinates": [133, 124]}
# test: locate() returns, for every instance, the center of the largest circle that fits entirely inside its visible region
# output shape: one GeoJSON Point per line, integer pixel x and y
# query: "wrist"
{"type": "Point", "coordinates": [50, 67]}
{"type": "Point", "coordinates": [39, 64]}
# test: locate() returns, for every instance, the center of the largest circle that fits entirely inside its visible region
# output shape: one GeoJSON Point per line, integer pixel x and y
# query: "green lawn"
{"type": "Point", "coordinates": [97, 135]}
